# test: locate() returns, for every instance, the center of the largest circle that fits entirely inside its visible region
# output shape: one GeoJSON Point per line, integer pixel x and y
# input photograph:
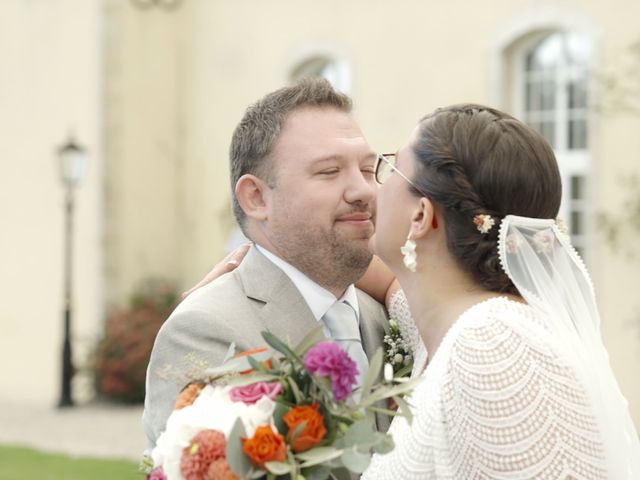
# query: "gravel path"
{"type": "Point", "coordinates": [95, 430]}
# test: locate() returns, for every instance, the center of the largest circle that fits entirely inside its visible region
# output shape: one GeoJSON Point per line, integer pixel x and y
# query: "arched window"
{"type": "Point", "coordinates": [552, 97]}
{"type": "Point", "coordinates": [335, 71]}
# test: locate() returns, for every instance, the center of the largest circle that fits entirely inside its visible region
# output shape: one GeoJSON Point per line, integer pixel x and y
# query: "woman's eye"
{"type": "Point", "coordinates": [331, 171]}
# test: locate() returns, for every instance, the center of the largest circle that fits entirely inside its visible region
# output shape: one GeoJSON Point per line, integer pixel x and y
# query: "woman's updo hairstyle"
{"type": "Point", "coordinates": [475, 160]}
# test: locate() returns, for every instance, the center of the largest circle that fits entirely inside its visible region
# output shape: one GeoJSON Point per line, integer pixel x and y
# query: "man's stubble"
{"type": "Point", "coordinates": [333, 258]}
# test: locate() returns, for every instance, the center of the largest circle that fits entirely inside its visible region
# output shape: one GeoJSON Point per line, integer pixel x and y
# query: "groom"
{"type": "Point", "coordinates": [303, 192]}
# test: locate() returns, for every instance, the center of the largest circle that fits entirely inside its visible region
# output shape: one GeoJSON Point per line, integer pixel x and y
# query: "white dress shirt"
{"type": "Point", "coordinates": [318, 298]}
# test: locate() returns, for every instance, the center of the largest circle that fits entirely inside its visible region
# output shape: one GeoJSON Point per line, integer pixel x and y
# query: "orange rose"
{"type": "Point", "coordinates": [313, 431]}
{"type": "Point", "coordinates": [264, 446]}
{"type": "Point", "coordinates": [188, 395]}
{"type": "Point", "coordinates": [252, 352]}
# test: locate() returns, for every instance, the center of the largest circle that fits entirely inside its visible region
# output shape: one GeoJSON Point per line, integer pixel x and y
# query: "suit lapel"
{"type": "Point", "coordinates": [371, 331]}
{"type": "Point", "coordinates": [281, 309]}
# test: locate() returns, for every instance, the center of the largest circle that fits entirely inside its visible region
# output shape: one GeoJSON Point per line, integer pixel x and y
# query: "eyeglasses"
{"type": "Point", "coordinates": [386, 165]}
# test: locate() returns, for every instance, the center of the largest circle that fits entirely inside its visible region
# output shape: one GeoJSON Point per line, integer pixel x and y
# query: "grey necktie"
{"type": "Point", "coordinates": [342, 322]}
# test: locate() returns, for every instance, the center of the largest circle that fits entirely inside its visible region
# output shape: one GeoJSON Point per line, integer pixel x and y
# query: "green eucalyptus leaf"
{"type": "Point", "coordinates": [279, 412]}
{"type": "Point", "coordinates": [323, 384]}
{"type": "Point", "coordinates": [390, 391]}
{"type": "Point", "coordinates": [314, 336]}
{"type": "Point", "coordinates": [280, 346]}
{"type": "Point", "coordinates": [237, 460]}
{"type": "Point", "coordinates": [259, 366]}
{"type": "Point", "coordinates": [340, 474]}
{"type": "Point", "coordinates": [385, 411]}
{"type": "Point", "coordinates": [405, 411]}
{"type": "Point", "coordinates": [318, 455]}
{"type": "Point", "coordinates": [278, 468]}
{"type": "Point", "coordinates": [358, 432]}
{"type": "Point", "coordinates": [403, 372]}
{"type": "Point", "coordinates": [385, 445]}
{"type": "Point", "coordinates": [242, 380]}
{"type": "Point", "coordinates": [375, 442]}
{"type": "Point", "coordinates": [296, 433]}
{"type": "Point", "coordinates": [356, 461]}
{"type": "Point", "coordinates": [297, 394]}
{"type": "Point", "coordinates": [319, 472]}
{"type": "Point", "coordinates": [237, 364]}
{"type": "Point", "coordinates": [375, 364]}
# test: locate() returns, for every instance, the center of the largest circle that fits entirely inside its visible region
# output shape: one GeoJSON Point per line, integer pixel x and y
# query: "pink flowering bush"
{"type": "Point", "coordinates": [122, 354]}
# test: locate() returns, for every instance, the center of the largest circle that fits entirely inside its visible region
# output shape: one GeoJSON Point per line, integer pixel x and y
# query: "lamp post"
{"type": "Point", "coordinates": [72, 159]}
{"type": "Point", "coordinates": [164, 4]}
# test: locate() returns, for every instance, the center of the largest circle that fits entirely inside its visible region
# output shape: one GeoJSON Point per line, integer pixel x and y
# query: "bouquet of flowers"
{"type": "Point", "coordinates": [282, 411]}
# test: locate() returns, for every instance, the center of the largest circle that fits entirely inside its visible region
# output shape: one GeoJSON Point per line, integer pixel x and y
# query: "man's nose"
{"type": "Point", "coordinates": [361, 187]}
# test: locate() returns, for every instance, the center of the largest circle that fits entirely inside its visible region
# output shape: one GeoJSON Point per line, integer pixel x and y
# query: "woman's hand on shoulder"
{"type": "Point", "coordinates": [226, 265]}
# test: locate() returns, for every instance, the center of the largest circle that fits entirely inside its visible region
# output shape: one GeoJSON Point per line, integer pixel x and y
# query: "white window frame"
{"type": "Point", "coordinates": [342, 77]}
{"type": "Point", "coordinates": [575, 162]}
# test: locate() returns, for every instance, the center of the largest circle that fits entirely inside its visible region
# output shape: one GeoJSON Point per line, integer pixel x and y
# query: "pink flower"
{"type": "Point", "coordinates": [206, 447]}
{"type": "Point", "coordinates": [253, 392]}
{"type": "Point", "coordinates": [543, 241]}
{"type": "Point", "coordinates": [328, 359]}
{"type": "Point", "coordinates": [157, 474]}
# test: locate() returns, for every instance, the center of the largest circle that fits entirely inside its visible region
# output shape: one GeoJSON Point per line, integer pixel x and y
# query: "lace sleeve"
{"type": "Point", "coordinates": [514, 409]}
{"type": "Point", "coordinates": [399, 311]}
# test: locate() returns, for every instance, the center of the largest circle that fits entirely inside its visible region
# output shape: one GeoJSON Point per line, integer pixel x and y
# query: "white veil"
{"type": "Point", "coordinates": [551, 277]}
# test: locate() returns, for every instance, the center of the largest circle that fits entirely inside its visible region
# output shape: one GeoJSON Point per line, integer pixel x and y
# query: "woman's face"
{"type": "Point", "coordinates": [395, 204]}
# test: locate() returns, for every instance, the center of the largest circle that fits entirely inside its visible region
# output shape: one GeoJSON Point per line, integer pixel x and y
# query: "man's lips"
{"type": "Point", "coordinates": [355, 217]}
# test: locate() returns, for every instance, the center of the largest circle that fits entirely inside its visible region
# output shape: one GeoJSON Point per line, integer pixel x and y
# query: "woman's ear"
{"type": "Point", "coordinates": [423, 219]}
{"type": "Point", "coordinates": [252, 195]}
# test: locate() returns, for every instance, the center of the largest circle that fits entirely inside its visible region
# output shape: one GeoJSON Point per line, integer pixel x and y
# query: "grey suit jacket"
{"type": "Point", "coordinates": [236, 307]}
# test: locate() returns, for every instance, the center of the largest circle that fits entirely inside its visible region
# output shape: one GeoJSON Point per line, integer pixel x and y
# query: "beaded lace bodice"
{"type": "Point", "coordinates": [498, 401]}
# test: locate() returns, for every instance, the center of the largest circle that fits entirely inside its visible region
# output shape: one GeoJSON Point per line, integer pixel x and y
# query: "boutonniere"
{"type": "Point", "coordinates": [396, 351]}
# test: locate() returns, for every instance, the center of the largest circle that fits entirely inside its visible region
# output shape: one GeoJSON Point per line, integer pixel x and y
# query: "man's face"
{"type": "Point", "coordinates": [321, 208]}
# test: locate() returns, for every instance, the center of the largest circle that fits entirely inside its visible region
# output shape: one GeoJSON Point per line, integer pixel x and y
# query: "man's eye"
{"type": "Point", "coordinates": [370, 169]}
{"type": "Point", "coordinates": [331, 171]}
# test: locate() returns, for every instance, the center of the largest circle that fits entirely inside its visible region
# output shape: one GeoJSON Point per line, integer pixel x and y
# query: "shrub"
{"type": "Point", "coordinates": [122, 354]}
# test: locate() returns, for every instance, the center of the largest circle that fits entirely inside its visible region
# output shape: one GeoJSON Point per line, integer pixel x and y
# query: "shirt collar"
{"type": "Point", "coordinates": [318, 298]}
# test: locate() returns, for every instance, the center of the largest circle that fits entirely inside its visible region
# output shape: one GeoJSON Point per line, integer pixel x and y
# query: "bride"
{"type": "Point", "coordinates": [498, 308]}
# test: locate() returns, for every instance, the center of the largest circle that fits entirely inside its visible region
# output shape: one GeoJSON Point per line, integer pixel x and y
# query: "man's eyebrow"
{"type": "Point", "coordinates": [371, 156]}
{"type": "Point", "coordinates": [327, 158]}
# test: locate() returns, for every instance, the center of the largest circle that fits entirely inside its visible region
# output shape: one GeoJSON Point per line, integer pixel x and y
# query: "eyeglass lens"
{"type": "Point", "coordinates": [385, 167]}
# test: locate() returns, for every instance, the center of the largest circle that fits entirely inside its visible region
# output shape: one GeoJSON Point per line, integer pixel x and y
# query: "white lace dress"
{"type": "Point", "coordinates": [497, 402]}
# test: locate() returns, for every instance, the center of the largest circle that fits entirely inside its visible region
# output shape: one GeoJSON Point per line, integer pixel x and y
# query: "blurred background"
{"type": "Point", "coordinates": [149, 92]}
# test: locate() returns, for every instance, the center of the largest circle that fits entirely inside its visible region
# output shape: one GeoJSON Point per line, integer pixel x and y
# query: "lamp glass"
{"type": "Point", "coordinates": [73, 162]}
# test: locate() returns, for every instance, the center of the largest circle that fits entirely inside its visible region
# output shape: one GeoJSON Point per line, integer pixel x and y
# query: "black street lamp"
{"type": "Point", "coordinates": [164, 4]}
{"type": "Point", "coordinates": [73, 160]}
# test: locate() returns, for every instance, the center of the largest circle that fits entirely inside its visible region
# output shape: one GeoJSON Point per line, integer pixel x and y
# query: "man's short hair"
{"type": "Point", "coordinates": [257, 132]}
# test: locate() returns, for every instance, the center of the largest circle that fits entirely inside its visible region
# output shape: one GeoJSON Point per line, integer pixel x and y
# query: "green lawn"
{"type": "Point", "coordinates": [17, 463]}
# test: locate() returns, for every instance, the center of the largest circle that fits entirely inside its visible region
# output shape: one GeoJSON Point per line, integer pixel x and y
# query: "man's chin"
{"type": "Point", "coordinates": [358, 258]}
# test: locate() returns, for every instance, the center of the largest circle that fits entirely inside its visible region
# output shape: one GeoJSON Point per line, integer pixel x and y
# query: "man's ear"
{"type": "Point", "coordinates": [252, 195]}
{"type": "Point", "coordinates": [423, 219]}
